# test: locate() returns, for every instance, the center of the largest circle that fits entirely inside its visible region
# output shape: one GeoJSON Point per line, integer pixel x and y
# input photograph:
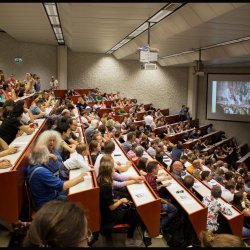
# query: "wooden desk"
{"type": "Point", "coordinates": [172, 118]}
{"type": "Point", "coordinates": [108, 103]}
{"type": "Point", "coordinates": [174, 138]}
{"type": "Point", "coordinates": [119, 118]}
{"type": "Point", "coordinates": [160, 129]}
{"type": "Point", "coordinates": [218, 144]}
{"type": "Point", "coordinates": [138, 123]}
{"type": "Point", "coordinates": [196, 211]}
{"type": "Point", "coordinates": [60, 93]}
{"type": "Point", "coordinates": [245, 159]}
{"type": "Point", "coordinates": [86, 193]}
{"type": "Point", "coordinates": [140, 115]}
{"type": "Point", "coordinates": [165, 112]}
{"type": "Point", "coordinates": [12, 190]}
{"type": "Point", "coordinates": [235, 220]}
{"type": "Point", "coordinates": [243, 149]}
{"type": "Point", "coordinates": [148, 204]}
{"type": "Point", "coordinates": [147, 106]}
{"type": "Point", "coordinates": [127, 108]}
{"type": "Point", "coordinates": [83, 91]}
{"type": "Point", "coordinates": [190, 144]}
{"type": "Point", "coordinates": [74, 98]}
{"type": "Point", "coordinates": [100, 112]}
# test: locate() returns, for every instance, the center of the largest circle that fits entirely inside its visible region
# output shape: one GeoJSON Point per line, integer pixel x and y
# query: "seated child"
{"type": "Point", "coordinates": [76, 160]}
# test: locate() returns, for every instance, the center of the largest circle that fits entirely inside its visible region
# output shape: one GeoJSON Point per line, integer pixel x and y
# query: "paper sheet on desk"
{"type": "Point", "coordinates": [140, 194]}
{"type": "Point", "coordinates": [197, 185]}
{"type": "Point", "coordinates": [186, 200]}
{"type": "Point", "coordinates": [18, 144]}
{"type": "Point", "coordinates": [173, 184]}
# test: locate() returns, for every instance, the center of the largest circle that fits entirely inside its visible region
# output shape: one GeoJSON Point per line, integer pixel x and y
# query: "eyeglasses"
{"type": "Point", "coordinates": [88, 238]}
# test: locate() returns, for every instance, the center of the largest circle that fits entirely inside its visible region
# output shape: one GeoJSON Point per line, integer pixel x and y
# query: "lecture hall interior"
{"type": "Point", "coordinates": [124, 124]}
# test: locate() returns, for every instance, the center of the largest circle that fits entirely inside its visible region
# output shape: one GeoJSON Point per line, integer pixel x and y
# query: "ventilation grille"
{"type": "Point", "coordinates": [149, 66]}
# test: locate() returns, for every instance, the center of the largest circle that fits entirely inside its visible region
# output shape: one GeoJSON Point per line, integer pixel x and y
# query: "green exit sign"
{"type": "Point", "coordinates": [18, 60]}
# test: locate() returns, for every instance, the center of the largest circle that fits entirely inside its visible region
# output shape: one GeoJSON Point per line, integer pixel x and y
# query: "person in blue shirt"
{"type": "Point", "coordinates": [177, 152]}
{"type": "Point", "coordinates": [43, 184]}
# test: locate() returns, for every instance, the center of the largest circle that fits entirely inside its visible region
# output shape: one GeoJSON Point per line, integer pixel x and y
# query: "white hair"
{"type": "Point", "coordinates": [39, 155]}
{"type": "Point", "coordinates": [94, 123]}
{"type": "Point", "coordinates": [44, 137]}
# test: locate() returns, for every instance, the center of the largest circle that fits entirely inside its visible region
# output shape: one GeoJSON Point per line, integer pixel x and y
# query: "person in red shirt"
{"type": "Point", "coordinates": [8, 91]}
{"type": "Point", "coordinates": [166, 206]}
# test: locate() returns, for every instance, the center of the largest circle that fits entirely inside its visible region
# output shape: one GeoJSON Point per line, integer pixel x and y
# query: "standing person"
{"type": "Point", "coordinates": [214, 207]}
{"type": "Point", "coordinates": [148, 119]}
{"type": "Point", "coordinates": [54, 83]}
{"type": "Point", "coordinates": [115, 211]}
{"type": "Point", "coordinates": [182, 113]}
{"type": "Point", "coordinates": [37, 85]}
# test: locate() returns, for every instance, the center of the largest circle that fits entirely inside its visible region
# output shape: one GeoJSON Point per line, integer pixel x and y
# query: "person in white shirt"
{"type": "Point", "coordinates": [54, 83]}
{"type": "Point", "coordinates": [224, 167]}
{"type": "Point", "coordinates": [152, 149]}
{"type": "Point", "coordinates": [148, 119]}
{"type": "Point", "coordinates": [206, 177]}
{"type": "Point", "coordinates": [108, 149]}
{"type": "Point", "coordinates": [228, 192]}
{"type": "Point", "coordinates": [76, 160]}
{"type": "Point", "coordinates": [84, 119]}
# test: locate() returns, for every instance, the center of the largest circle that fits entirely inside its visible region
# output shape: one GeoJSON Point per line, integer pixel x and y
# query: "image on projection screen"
{"type": "Point", "coordinates": [231, 97]}
{"type": "Point", "coordinates": [228, 99]}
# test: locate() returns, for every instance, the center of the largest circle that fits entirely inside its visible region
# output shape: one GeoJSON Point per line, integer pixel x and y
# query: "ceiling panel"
{"type": "Point", "coordinates": [97, 27]}
{"type": "Point", "coordinates": [26, 22]}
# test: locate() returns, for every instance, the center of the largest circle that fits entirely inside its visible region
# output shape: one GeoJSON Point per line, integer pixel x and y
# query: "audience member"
{"type": "Point", "coordinates": [48, 226]}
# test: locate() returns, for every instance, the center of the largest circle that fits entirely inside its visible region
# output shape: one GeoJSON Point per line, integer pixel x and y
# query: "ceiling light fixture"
{"type": "Point", "coordinates": [54, 19]}
{"type": "Point", "coordinates": [51, 9]}
{"type": "Point", "coordinates": [160, 15]}
{"type": "Point", "coordinates": [167, 10]}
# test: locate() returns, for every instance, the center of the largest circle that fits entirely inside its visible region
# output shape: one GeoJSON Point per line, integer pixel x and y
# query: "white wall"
{"type": "Point", "coordinates": [239, 130]}
{"type": "Point", "coordinates": [37, 58]}
{"type": "Point", "coordinates": [164, 87]}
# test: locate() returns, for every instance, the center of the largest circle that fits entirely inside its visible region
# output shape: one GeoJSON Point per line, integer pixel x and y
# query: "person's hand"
{"type": "Point", "coordinates": [52, 156]}
{"type": "Point", "coordinates": [82, 175]}
{"type": "Point", "coordinates": [140, 179]}
{"type": "Point", "coordinates": [19, 133]}
{"type": "Point", "coordinates": [168, 177]}
{"type": "Point", "coordinates": [124, 200]}
{"type": "Point", "coordinates": [167, 184]}
{"type": "Point", "coordinates": [5, 163]}
{"type": "Point", "coordinates": [129, 163]}
{"type": "Point", "coordinates": [118, 163]}
{"type": "Point", "coordinates": [12, 150]}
